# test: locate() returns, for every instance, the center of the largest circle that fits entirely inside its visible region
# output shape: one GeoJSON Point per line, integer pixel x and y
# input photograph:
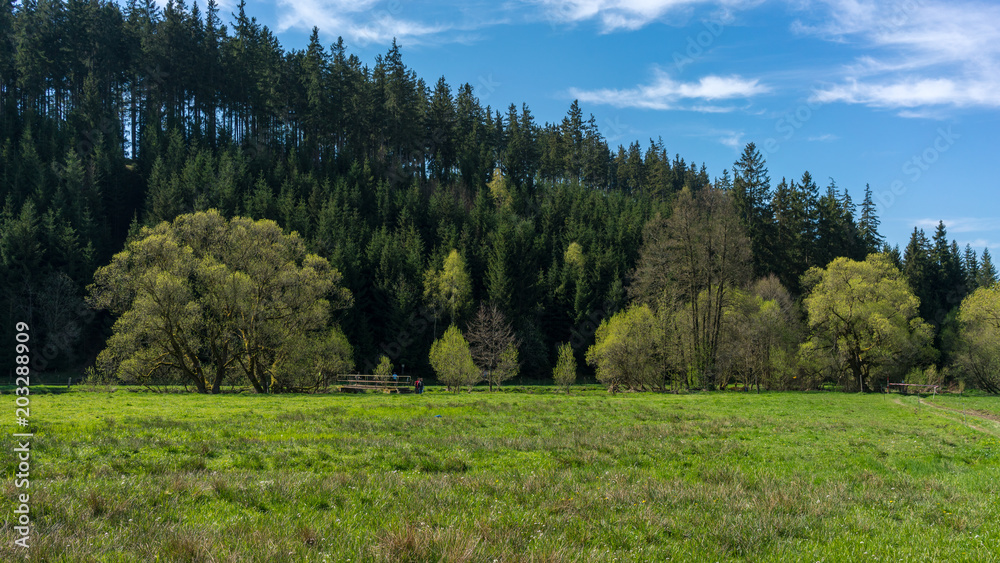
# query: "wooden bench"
{"type": "Point", "coordinates": [357, 383]}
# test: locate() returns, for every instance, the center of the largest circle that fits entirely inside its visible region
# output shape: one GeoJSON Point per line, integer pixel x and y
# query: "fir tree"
{"type": "Point", "coordinates": [752, 198]}
{"type": "Point", "coordinates": [868, 223]}
{"type": "Point", "coordinates": [987, 274]}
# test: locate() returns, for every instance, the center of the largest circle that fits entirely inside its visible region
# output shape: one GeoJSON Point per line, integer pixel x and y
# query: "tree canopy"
{"type": "Point", "coordinates": [864, 322]}
{"type": "Point", "coordinates": [979, 352]}
{"type": "Point", "coordinates": [626, 350]}
{"type": "Point", "coordinates": [452, 361]}
{"type": "Point", "coordinates": [205, 301]}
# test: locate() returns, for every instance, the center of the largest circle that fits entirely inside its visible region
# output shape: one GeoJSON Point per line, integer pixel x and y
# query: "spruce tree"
{"type": "Point", "coordinates": [971, 268]}
{"type": "Point", "coordinates": [987, 274]}
{"type": "Point", "coordinates": [751, 199]}
{"type": "Point", "coordinates": [918, 270]}
{"type": "Point", "coordinates": [868, 223]}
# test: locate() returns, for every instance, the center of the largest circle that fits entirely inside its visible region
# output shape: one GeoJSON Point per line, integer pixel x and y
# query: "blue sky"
{"type": "Point", "coordinates": [901, 94]}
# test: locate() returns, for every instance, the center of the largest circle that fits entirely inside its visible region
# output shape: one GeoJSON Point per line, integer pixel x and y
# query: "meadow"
{"type": "Point", "coordinates": [514, 476]}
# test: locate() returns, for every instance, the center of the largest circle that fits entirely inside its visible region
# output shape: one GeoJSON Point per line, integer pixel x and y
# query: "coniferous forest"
{"type": "Point", "coordinates": [114, 118]}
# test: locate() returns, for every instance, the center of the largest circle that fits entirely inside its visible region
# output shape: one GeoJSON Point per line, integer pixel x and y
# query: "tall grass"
{"type": "Point", "coordinates": [130, 476]}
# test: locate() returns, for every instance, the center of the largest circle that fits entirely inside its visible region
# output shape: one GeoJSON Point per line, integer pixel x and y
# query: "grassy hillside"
{"type": "Point", "coordinates": [511, 477]}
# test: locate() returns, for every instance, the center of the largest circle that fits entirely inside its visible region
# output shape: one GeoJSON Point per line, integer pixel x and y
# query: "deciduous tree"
{"type": "Point", "coordinates": [978, 354]}
{"type": "Point", "coordinates": [203, 300]}
{"type": "Point", "coordinates": [450, 288]}
{"type": "Point", "coordinates": [864, 322]}
{"type": "Point", "coordinates": [452, 361]}
{"type": "Point", "coordinates": [491, 336]}
{"type": "Point", "coordinates": [626, 351]}
{"type": "Point", "coordinates": [691, 262]}
{"type": "Point", "coordinates": [564, 374]}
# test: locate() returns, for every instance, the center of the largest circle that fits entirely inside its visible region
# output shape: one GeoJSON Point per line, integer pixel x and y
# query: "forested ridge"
{"type": "Point", "coordinates": [117, 117]}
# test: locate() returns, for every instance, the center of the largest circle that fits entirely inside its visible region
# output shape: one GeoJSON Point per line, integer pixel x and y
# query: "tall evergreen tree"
{"type": "Point", "coordinates": [970, 265]}
{"type": "Point", "coordinates": [752, 198]}
{"type": "Point", "coordinates": [869, 238]}
{"type": "Point", "coordinates": [918, 269]}
{"type": "Point", "coordinates": [987, 274]}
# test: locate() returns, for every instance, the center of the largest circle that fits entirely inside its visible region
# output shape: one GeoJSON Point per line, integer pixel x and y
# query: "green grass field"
{"type": "Point", "coordinates": [136, 476]}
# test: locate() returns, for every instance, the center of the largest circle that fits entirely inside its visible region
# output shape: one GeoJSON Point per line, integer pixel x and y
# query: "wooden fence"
{"type": "Point", "coordinates": [357, 383]}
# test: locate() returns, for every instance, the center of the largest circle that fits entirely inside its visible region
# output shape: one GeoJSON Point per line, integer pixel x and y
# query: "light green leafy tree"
{"type": "Point", "coordinates": [564, 373]}
{"type": "Point", "coordinates": [313, 361]}
{"type": "Point", "coordinates": [626, 350]}
{"type": "Point", "coordinates": [449, 289]}
{"type": "Point", "coordinates": [203, 301]}
{"type": "Point", "coordinates": [574, 258]}
{"type": "Point", "coordinates": [506, 369]}
{"type": "Point", "coordinates": [863, 322]}
{"type": "Point", "coordinates": [760, 337]}
{"type": "Point", "coordinates": [383, 370]}
{"type": "Point", "coordinates": [978, 354]}
{"type": "Point", "coordinates": [452, 361]}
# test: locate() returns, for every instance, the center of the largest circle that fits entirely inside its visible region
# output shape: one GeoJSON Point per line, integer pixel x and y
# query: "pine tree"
{"type": "Point", "coordinates": [946, 278]}
{"type": "Point", "coordinates": [869, 237]}
{"type": "Point", "coordinates": [631, 170]}
{"type": "Point", "coordinates": [918, 270]}
{"type": "Point", "coordinates": [499, 284]}
{"type": "Point", "coordinates": [971, 268]}
{"type": "Point", "coordinates": [441, 128]}
{"type": "Point", "coordinates": [894, 255]}
{"type": "Point", "coordinates": [789, 235]}
{"type": "Point", "coordinates": [807, 200]}
{"type": "Point", "coordinates": [752, 198]}
{"type": "Point", "coordinates": [571, 130]}
{"type": "Point", "coordinates": [987, 275]}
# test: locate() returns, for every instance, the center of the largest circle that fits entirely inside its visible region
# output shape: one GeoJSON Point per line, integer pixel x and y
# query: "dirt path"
{"type": "Point", "coordinates": [976, 414]}
{"type": "Point", "coordinates": [966, 415]}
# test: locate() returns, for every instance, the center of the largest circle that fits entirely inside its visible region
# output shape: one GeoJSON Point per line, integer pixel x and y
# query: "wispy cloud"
{"type": "Point", "coordinates": [826, 137]}
{"type": "Point", "coordinates": [923, 53]}
{"type": "Point", "coordinates": [666, 93]}
{"type": "Point", "coordinates": [962, 224]}
{"type": "Point", "coordinates": [981, 243]}
{"type": "Point", "coordinates": [733, 140]}
{"type": "Point", "coordinates": [373, 21]}
{"type": "Point", "coordinates": [615, 15]}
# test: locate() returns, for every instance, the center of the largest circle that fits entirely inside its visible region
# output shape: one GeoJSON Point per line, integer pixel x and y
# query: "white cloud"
{"type": "Point", "coordinates": [733, 140]}
{"type": "Point", "coordinates": [665, 93]}
{"type": "Point", "coordinates": [980, 243]}
{"type": "Point", "coordinates": [962, 224]}
{"type": "Point", "coordinates": [822, 138]}
{"type": "Point", "coordinates": [366, 21]}
{"type": "Point", "coordinates": [923, 53]}
{"type": "Point", "coordinates": [909, 93]}
{"type": "Point", "coordinates": [628, 15]}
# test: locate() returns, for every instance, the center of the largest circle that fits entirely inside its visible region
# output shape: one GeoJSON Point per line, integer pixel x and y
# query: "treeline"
{"type": "Point", "coordinates": [113, 118]}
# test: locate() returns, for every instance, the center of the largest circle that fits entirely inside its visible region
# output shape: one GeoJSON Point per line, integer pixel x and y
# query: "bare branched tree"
{"type": "Point", "coordinates": [490, 336]}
